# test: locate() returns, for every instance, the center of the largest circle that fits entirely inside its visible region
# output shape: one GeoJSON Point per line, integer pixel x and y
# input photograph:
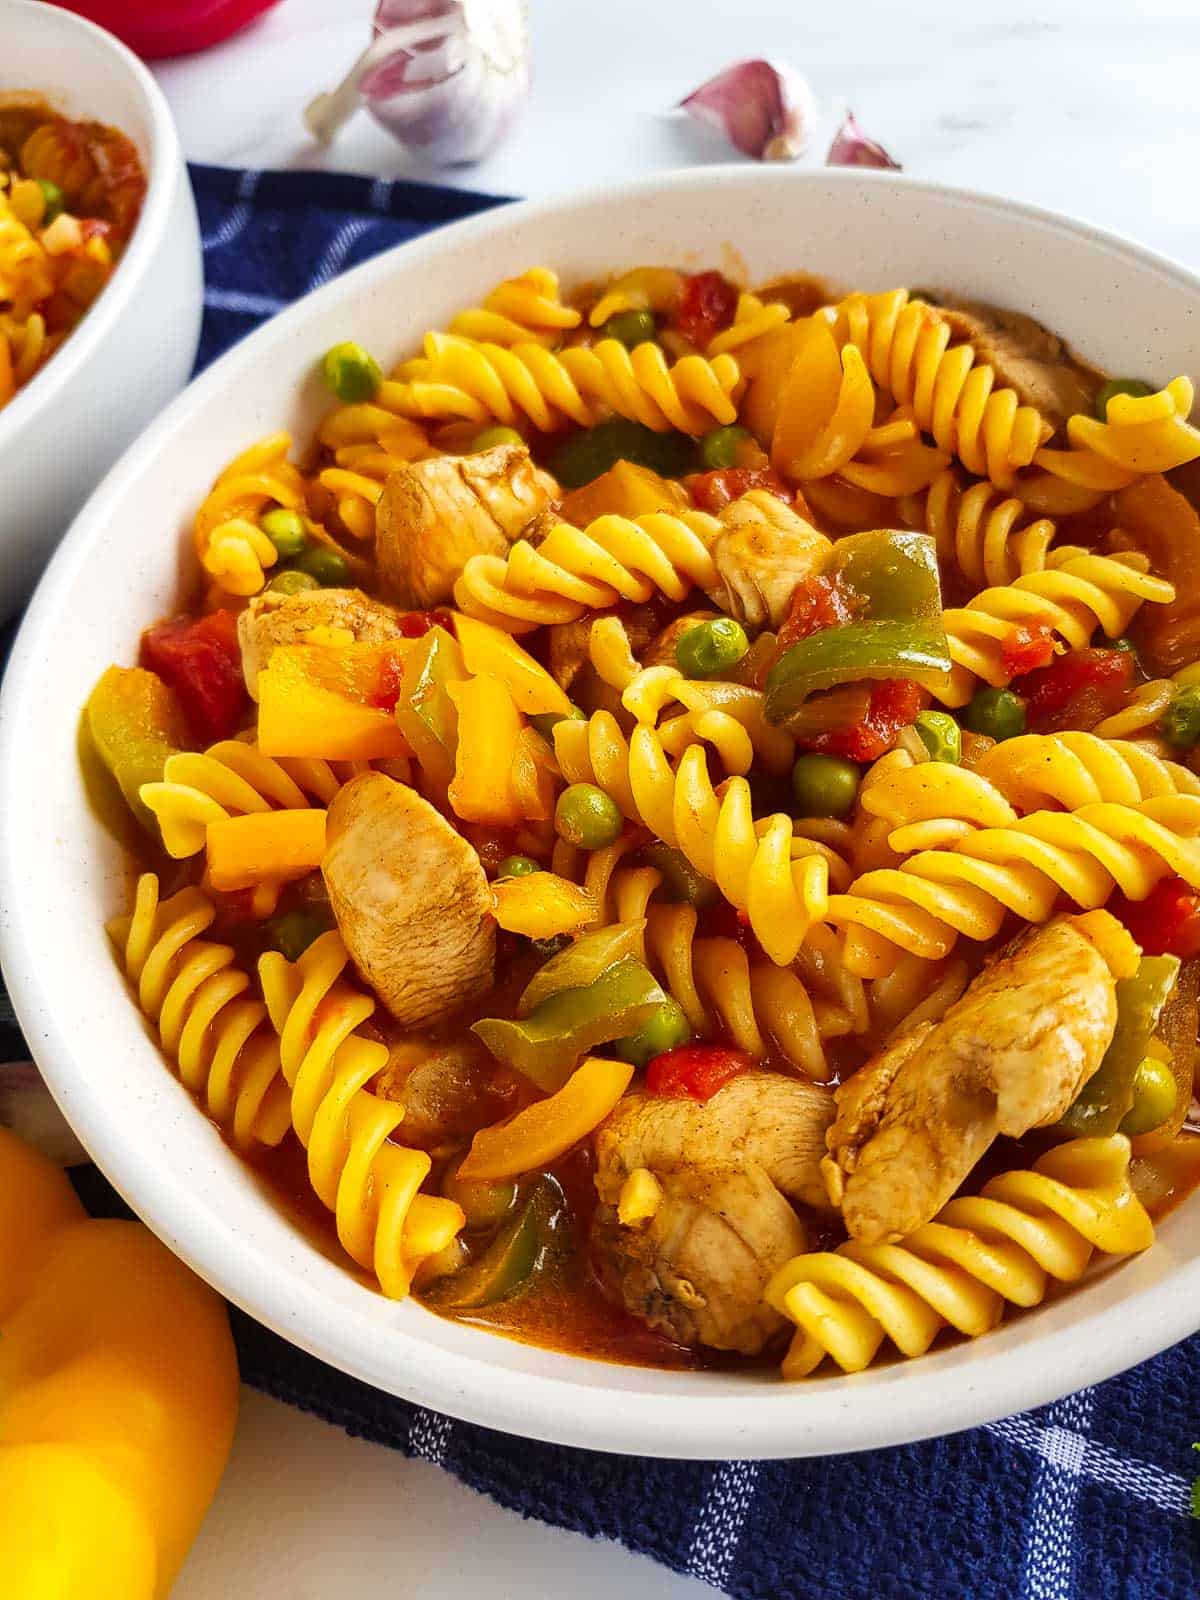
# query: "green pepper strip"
{"type": "Point", "coordinates": [519, 1254]}
{"type": "Point", "coordinates": [895, 572]}
{"type": "Point", "coordinates": [1108, 1094]}
{"type": "Point", "coordinates": [581, 963]}
{"type": "Point", "coordinates": [424, 711]}
{"type": "Point", "coordinates": [847, 654]}
{"type": "Point", "coordinates": [549, 1042]}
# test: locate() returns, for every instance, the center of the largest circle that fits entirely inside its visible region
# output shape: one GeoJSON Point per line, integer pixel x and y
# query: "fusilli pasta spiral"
{"type": "Point", "coordinates": [479, 380]}
{"type": "Point", "coordinates": [575, 570]}
{"type": "Point", "coordinates": [980, 531]}
{"type": "Point", "coordinates": [368, 1182]}
{"type": "Point", "coordinates": [751, 320]}
{"type": "Point", "coordinates": [753, 864]}
{"type": "Point", "coordinates": [979, 1253]}
{"type": "Point", "coordinates": [963, 880]}
{"type": "Point", "coordinates": [216, 1033]}
{"type": "Point", "coordinates": [229, 541]}
{"type": "Point", "coordinates": [524, 309]}
{"type": "Point", "coordinates": [1140, 434]}
{"type": "Point", "coordinates": [1076, 593]}
{"type": "Point", "coordinates": [232, 779]}
{"type": "Point", "coordinates": [906, 345]}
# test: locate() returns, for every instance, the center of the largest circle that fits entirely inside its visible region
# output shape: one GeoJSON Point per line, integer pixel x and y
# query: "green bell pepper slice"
{"type": "Point", "coordinates": [581, 962]}
{"type": "Point", "coordinates": [1105, 1098]}
{"type": "Point", "coordinates": [521, 1252]}
{"type": "Point", "coordinates": [895, 572]}
{"type": "Point", "coordinates": [425, 713]}
{"type": "Point", "coordinates": [547, 1044]}
{"type": "Point", "coordinates": [135, 723]}
{"type": "Point", "coordinates": [850, 653]}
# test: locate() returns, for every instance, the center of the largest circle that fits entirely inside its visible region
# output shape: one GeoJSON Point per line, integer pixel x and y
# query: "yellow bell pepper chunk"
{"type": "Point", "coordinates": [542, 905]}
{"type": "Point", "coordinates": [548, 1128]}
{"type": "Point", "coordinates": [625, 490]}
{"type": "Point", "coordinates": [497, 654]}
{"type": "Point", "coordinates": [489, 728]}
{"type": "Point", "coordinates": [264, 846]}
{"type": "Point", "coordinates": [315, 701]}
{"type": "Point", "coordinates": [118, 1396]}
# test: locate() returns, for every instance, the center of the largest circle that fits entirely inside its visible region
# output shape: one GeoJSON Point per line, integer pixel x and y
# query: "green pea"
{"type": "Point", "coordinates": [711, 648]}
{"type": "Point", "coordinates": [518, 867]}
{"type": "Point", "coordinates": [664, 1029]}
{"type": "Point", "coordinates": [54, 202]}
{"type": "Point", "coordinates": [485, 1202]}
{"type": "Point", "coordinates": [824, 786]}
{"type": "Point", "coordinates": [586, 817]}
{"type": "Point", "coordinates": [719, 449]}
{"type": "Point", "coordinates": [940, 735]}
{"type": "Point", "coordinates": [1126, 646]}
{"type": "Point", "coordinates": [630, 327]}
{"type": "Point", "coordinates": [1115, 386]}
{"type": "Point", "coordinates": [285, 529]}
{"type": "Point", "coordinates": [327, 566]}
{"type": "Point", "coordinates": [997, 713]}
{"type": "Point", "coordinates": [292, 582]}
{"type": "Point", "coordinates": [1180, 722]}
{"type": "Point", "coordinates": [489, 438]}
{"type": "Point", "coordinates": [351, 372]}
{"type": "Point", "coordinates": [1154, 1094]}
{"type": "Point", "coordinates": [292, 933]}
{"type": "Point", "coordinates": [545, 722]}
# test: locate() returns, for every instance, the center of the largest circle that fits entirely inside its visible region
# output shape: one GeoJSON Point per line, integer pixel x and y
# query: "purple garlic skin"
{"type": "Point", "coordinates": [453, 93]}
{"type": "Point", "coordinates": [764, 108]}
{"type": "Point", "coordinates": [851, 147]}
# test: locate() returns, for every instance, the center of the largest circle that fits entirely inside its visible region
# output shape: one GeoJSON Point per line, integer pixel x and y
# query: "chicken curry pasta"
{"type": "Point", "coordinates": [671, 826]}
{"type": "Point", "coordinates": [70, 194]}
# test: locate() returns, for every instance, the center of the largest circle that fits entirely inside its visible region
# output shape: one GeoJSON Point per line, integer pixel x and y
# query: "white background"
{"type": "Point", "coordinates": [1089, 106]}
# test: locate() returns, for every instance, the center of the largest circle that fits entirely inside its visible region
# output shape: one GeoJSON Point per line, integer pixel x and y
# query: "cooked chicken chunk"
{"type": "Point", "coordinates": [448, 1090]}
{"type": "Point", "coordinates": [274, 619]}
{"type": "Point", "coordinates": [728, 1170]}
{"type": "Point", "coordinates": [434, 515]}
{"type": "Point", "coordinates": [762, 554]}
{"type": "Point", "coordinates": [568, 642]}
{"type": "Point", "coordinates": [1027, 358]}
{"type": "Point", "coordinates": [410, 897]}
{"type": "Point", "coordinates": [1011, 1055]}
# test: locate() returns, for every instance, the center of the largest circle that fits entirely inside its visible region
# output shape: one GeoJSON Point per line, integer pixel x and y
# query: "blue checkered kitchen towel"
{"type": "Point", "coordinates": [1084, 1500]}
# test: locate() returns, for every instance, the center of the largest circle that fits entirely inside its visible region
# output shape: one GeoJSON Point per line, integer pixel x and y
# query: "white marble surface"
{"type": "Point", "coordinates": [1089, 106]}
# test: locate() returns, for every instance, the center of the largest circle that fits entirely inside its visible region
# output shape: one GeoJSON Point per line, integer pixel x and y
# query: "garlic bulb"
{"type": "Point", "coordinates": [447, 78]}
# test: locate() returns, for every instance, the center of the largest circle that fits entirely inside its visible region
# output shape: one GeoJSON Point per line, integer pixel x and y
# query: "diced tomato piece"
{"type": "Point", "coordinates": [894, 704]}
{"type": "Point", "coordinates": [708, 304]}
{"type": "Point", "coordinates": [386, 691]}
{"type": "Point", "coordinates": [694, 1071]}
{"type": "Point", "coordinates": [200, 659]}
{"type": "Point", "coordinates": [415, 623]}
{"type": "Point", "coordinates": [816, 603]}
{"type": "Point", "coordinates": [1166, 922]}
{"type": "Point", "coordinates": [1077, 690]}
{"type": "Point", "coordinates": [713, 491]}
{"type": "Point", "coordinates": [1026, 647]}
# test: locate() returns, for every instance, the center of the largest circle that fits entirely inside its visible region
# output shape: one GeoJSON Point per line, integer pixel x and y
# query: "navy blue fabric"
{"type": "Point", "coordinates": [1087, 1499]}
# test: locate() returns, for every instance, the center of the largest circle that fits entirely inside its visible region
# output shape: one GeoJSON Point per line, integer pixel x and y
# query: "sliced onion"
{"type": "Point", "coordinates": [764, 108]}
{"type": "Point", "coordinates": [852, 148]}
{"type": "Point", "coordinates": [28, 1110]}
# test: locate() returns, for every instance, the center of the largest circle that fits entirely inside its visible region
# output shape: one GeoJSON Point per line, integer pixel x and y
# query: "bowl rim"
{"type": "Point", "coordinates": [833, 1416]}
{"type": "Point", "coordinates": [164, 164]}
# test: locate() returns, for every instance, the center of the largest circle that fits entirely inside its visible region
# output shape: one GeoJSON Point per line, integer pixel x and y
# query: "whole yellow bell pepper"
{"type": "Point", "coordinates": [118, 1396]}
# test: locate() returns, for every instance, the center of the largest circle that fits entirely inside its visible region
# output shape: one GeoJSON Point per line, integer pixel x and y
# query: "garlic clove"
{"type": "Point", "coordinates": [852, 148]}
{"type": "Point", "coordinates": [28, 1110]}
{"type": "Point", "coordinates": [764, 108]}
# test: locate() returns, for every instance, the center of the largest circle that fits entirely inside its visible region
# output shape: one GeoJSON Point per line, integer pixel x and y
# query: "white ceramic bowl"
{"type": "Point", "coordinates": [134, 349]}
{"type": "Point", "coordinates": [60, 875]}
